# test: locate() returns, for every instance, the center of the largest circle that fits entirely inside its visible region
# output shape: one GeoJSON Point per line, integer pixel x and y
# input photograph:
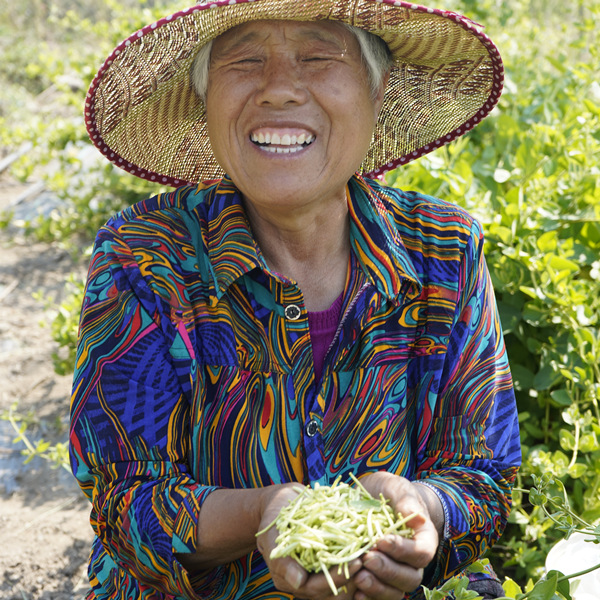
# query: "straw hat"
{"type": "Point", "coordinates": [143, 114]}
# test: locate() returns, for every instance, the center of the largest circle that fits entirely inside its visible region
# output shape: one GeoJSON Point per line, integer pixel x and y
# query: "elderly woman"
{"type": "Point", "coordinates": [282, 317]}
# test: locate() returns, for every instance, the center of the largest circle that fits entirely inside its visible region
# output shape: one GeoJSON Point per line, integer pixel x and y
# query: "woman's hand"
{"type": "Point", "coordinates": [288, 576]}
{"type": "Point", "coordinates": [395, 565]}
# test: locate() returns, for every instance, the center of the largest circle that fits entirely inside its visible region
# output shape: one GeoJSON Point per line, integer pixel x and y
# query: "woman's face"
{"type": "Point", "coordinates": [289, 109]}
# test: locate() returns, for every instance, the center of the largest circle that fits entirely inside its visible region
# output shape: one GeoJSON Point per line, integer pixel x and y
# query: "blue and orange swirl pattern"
{"type": "Point", "coordinates": [189, 377]}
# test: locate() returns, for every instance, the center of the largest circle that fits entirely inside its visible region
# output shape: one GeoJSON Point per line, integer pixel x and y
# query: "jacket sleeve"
{"type": "Point", "coordinates": [129, 430]}
{"type": "Point", "coordinates": [469, 448]}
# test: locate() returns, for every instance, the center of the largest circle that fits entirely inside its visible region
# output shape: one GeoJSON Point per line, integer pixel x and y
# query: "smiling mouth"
{"type": "Point", "coordinates": [282, 144]}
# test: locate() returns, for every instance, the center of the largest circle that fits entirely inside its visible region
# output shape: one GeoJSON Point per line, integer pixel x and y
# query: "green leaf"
{"type": "Point", "coordinates": [433, 594]}
{"type": "Point", "coordinates": [532, 428]}
{"type": "Point", "coordinates": [522, 376]}
{"type": "Point", "coordinates": [511, 588]}
{"type": "Point", "coordinates": [466, 595]}
{"type": "Point", "coordinates": [547, 242]}
{"type": "Point", "coordinates": [479, 566]}
{"type": "Point", "coordinates": [588, 443]}
{"type": "Point", "coordinates": [545, 588]}
{"type": "Point", "coordinates": [561, 397]}
{"type": "Point", "coordinates": [559, 463]}
{"type": "Point", "coordinates": [563, 587]}
{"type": "Point", "coordinates": [577, 470]}
{"type": "Point", "coordinates": [561, 264]}
{"type": "Point", "coordinates": [531, 291]}
{"type": "Point", "coordinates": [525, 157]}
{"type": "Point", "coordinates": [566, 439]}
{"type": "Point", "coordinates": [535, 315]}
{"type": "Point", "coordinates": [536, 498]}
{"type": "Point", "coordinates": [570, 415]}
{"type": "Point", "coordinates": [454, 584]}
{"type": "Point", "coordinates": [557, 64]}
{"type": "Point", "coordinates": [545, 378]}
{"type": "Point", "coordinates": [510, 316]}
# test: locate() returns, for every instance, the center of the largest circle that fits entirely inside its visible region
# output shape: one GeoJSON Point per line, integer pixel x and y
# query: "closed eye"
{"type": "Point", "coordinates": [319, 58]}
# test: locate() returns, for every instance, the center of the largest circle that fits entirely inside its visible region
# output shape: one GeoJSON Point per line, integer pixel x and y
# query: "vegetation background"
{"type": "Point", "coordinates": [530, 173]}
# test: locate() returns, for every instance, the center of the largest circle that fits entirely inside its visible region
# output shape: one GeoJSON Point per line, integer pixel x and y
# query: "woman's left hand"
{"type": "Point", "coordinates": [395, 565]}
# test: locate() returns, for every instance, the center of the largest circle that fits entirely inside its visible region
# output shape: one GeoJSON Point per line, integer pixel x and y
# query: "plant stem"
{"type": "Point", "coordinates": [579, 574]}
{"type": "Point", "coordinates": [576, 446]}
{"type": "Point", "coordinates": [596, 370]}
{"type": "Point", "coordinates": [566, 509]}
{"type": "Point", "coordinates": [566, 578]}
{"type": "Point", "coordinates": [21, 434]}
{"type": "Point", "coordinates": [30, 447]}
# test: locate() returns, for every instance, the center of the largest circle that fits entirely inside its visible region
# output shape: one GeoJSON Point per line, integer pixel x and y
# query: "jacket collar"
{"type": "Point", "coordinates": [233, 252]}
{"type": "Point", "coordinates": [377, 243]}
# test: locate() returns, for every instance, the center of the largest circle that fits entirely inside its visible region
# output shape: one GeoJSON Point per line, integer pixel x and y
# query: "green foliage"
{"type": "Point", "coordinates": [529, 173]}
{"type": "Point", "coordinates": [455, 588]}
{"type": "Point", "coordinates": [55, 50]}
{"type": "Point", "coordinates": [65, 325]}
{"type": "Point", "coordinates": [550, 495]}
{"type": "Point", "coordinates": [57, 455]}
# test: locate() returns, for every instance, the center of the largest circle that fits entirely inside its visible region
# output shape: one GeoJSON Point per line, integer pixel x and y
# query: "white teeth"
{"type": "Point", "coordinates": [294, 143]}
{"type": "Point", "coordinates": [280, 150]}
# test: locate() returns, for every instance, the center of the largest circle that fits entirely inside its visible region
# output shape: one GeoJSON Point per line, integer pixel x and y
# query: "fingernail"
{"type": "Point", "coordinates": [294, 577]}
{"type": "Point", "coordinates": [373, 561]}
{"type": "Point", "coordinates": [364, 579]}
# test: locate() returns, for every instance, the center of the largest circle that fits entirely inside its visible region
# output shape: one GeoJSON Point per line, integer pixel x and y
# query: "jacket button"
{"type": "Point", "coordinates": [312, 428]}
{"type": "Point", "coordinates": [292, 312]}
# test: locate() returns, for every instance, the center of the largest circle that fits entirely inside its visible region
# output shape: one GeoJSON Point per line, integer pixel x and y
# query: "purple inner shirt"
{"type": "Point", "coordinates": [322, 326]}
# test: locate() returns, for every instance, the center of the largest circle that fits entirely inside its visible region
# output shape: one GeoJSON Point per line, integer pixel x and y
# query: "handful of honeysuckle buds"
{"type": "Point", "coordinates": [333, 525]}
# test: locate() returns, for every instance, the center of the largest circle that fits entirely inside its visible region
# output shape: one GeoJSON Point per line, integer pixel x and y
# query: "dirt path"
{"type": "Point", "coordinates": [44, 529]}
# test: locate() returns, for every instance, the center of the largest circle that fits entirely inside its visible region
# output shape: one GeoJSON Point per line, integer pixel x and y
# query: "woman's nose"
{"type": "Point", "coordinates": [281, 83]}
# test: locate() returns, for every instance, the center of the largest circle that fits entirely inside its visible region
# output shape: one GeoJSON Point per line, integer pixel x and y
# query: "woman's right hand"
{"type": "Point", "coordinates": [287, 574]}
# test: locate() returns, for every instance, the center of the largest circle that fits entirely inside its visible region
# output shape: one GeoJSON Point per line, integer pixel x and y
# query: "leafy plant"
{"type": "Point", "coordinates": [550, 495]}
{"type": "Point", "coordinates": [65, 325]}
{"type": "Point", "coordinates": [529, 173]}
{"type": "Point", "coordinates": [57, 455]}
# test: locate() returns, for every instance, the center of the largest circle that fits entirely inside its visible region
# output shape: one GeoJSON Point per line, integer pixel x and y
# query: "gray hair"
{"type": "Point", "coordinates": [375, 53]}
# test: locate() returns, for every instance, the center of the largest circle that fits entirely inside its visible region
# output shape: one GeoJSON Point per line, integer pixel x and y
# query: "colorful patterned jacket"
{"type": "Point", "coordinates": [194, 370]}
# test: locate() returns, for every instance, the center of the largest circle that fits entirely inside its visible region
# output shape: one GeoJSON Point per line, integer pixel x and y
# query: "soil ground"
{"type": "Point", "coordinates": [44, 518]}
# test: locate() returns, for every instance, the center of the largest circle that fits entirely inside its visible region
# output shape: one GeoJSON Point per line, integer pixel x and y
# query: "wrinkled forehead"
{"type": "Point", "coordinates": [285, 31]}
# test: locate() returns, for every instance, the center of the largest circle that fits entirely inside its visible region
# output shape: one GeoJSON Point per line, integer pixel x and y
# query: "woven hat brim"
{"type": "Point", "coordinates": [144, 115]}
